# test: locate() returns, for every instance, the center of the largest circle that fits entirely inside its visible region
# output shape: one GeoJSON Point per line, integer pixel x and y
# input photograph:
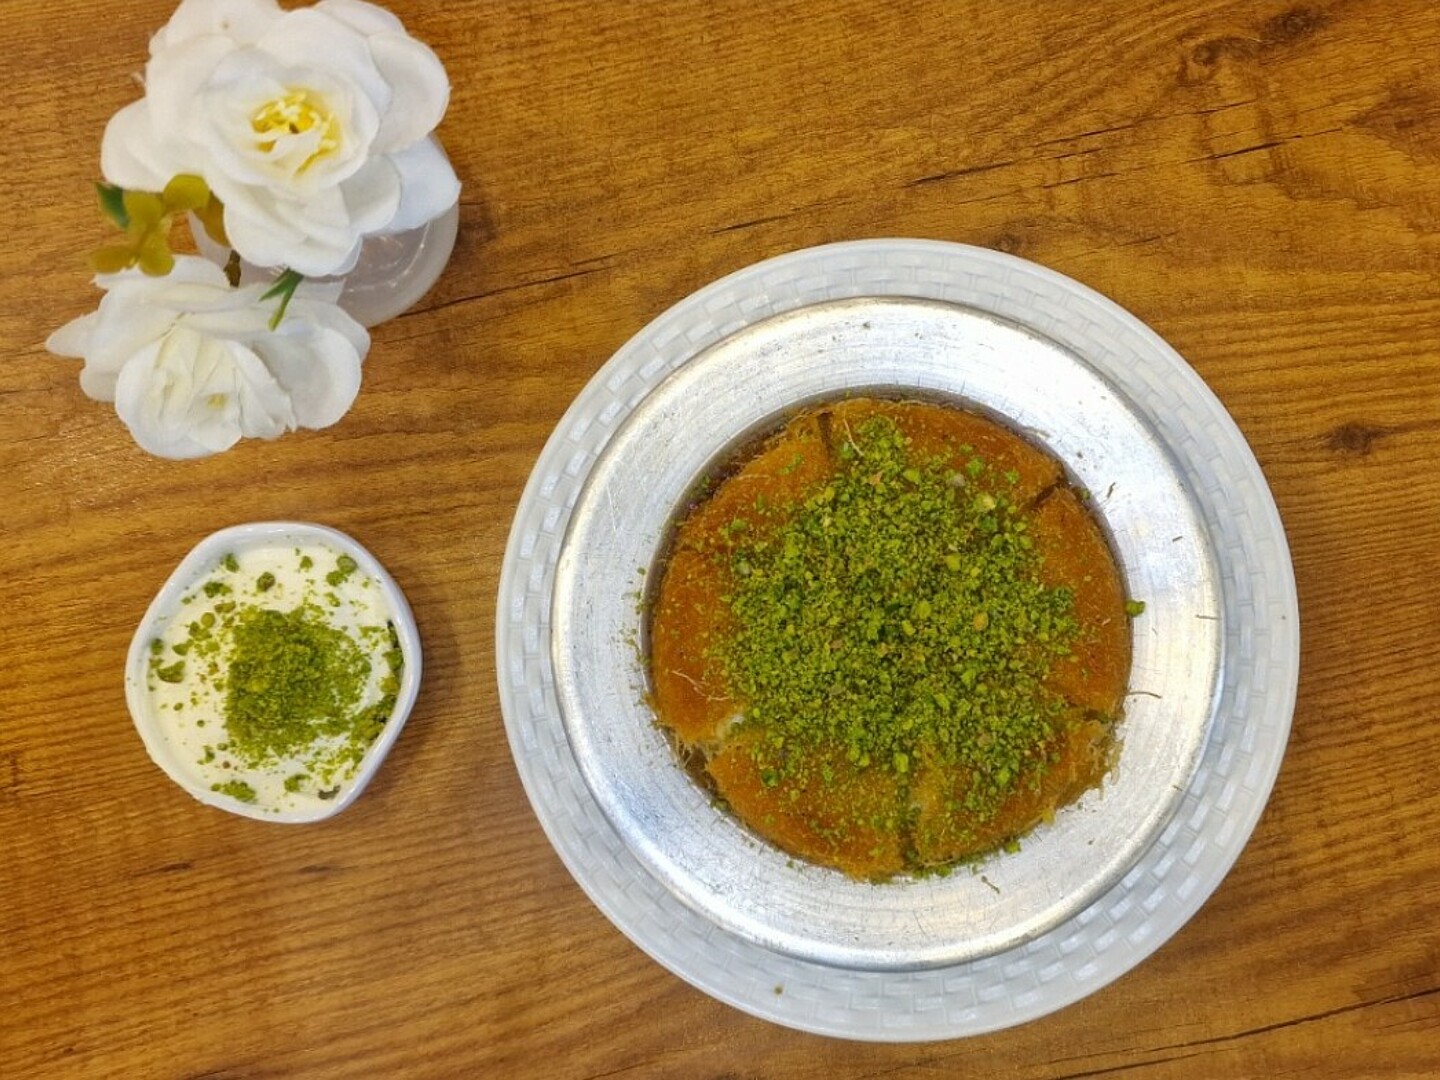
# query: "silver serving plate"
{"type": "Point", "coordinates": [747, 384]}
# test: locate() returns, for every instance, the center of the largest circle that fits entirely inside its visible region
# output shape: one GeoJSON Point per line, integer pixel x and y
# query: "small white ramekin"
{"type": "Point", "coordinates": [167, 603]}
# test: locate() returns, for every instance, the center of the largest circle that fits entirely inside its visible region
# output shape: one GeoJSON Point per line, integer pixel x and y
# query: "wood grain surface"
{"type": "Point", "coordinates": [1258, 181]}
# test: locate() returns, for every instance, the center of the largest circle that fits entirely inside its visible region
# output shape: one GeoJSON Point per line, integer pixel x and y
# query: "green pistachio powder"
{"type": "Point", "coordinates": [291, 682]}
{"type": "Point", "coordinates": [897, 613]}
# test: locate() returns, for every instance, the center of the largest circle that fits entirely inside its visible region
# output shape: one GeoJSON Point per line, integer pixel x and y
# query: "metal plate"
{"type": "Point", "coordinates": [1175, 875]}
{"type": "Point", "coordinates": [747, 383]}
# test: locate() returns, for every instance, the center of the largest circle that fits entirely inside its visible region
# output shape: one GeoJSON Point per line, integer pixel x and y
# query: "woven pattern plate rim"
{"type": "Point", "coordinates": [1225, 799]}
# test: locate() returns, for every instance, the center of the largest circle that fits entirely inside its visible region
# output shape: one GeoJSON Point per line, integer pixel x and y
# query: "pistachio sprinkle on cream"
{"type": "Point", "coordinates": [278, 673]}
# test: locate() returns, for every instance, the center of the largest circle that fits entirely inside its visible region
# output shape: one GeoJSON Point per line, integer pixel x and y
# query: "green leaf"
{"type": "Point", "coordinates": [145, 209]}
{"type": "Point", "coordinates": [112, 203]}
{"type": "Point", "coordinates": [284, 287]}
{"type": "Point", "coordinates": [154, 254]}
{"type": "Point", "coordinates": [156, 263]}
{"type": "Point", "coordinates": [112, 259]}
{"type": "Point", "coordinates": [185, 192]}
{"type": "Point", "coordinates": [212, 217]}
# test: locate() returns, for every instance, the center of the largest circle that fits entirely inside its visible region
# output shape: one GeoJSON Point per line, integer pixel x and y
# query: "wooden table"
{"type": "Point", "coordinates": [1260, 182]}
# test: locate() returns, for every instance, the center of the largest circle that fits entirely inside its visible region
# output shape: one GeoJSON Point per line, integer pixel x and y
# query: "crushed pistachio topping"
{"type": "Point", "coordinates": [236, 789]}
{"type": "Point", "coordinates": [896, 612]}
{"type": "Point", "coordinates": [291, 676]}
{"type": "Point", "coordinates": [299, 685]}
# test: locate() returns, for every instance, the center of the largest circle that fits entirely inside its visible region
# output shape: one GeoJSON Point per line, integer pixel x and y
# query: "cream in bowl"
{"type": "Point", "coordinates": [274, 671]}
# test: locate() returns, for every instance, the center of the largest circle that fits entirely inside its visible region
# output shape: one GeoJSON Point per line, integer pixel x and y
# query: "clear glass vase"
{"type": "Point", "coordinates": [394, 271]}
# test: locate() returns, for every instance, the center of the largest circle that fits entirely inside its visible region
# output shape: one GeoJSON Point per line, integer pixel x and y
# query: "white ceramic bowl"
{"type": "Point", "coordinates": [193, 569]}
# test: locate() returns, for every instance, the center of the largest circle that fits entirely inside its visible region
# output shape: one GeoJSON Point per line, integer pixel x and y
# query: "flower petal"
{"type": "Point", "coordinates": [243, 20]}
{"type": "Point", "coordinates": [372, 195]}
{"type": "Point", "coordinates": [314, 237]}
{"type": "Point", "coordinates": [247, 320]}
{"type": "Point", "coordinates": [315, 303]}
{"type": "Point", "coordinates": [193, 270]}
{"type": "Point", "coordinates": [266, 410]}
{"type": "Point", "coordinates": [131, 153]}
{"type": "Point", "coordinates": [309, 39]}
{"type": "Point", "coordinates": [175, 79]}
{"type": "Point", "coordinates": [142, 394]}
{"type": "Point", "coordinates": [120, 331]}
{"type": "Point", "coordinates": [72, 339]}
{"type": "Point", "coordinates": [135, 311]}
{"type": "Point", "coordinates": [319, 369]}
{"type": "Point", "coordinates": [428, 185]}
{"type": "Point", "coordinates": [419, 88]}
{"type": "Point", "coordinates": [365, 18]}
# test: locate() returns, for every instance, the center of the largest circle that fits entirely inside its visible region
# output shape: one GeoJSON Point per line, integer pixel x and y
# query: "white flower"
{"type": "Point", "coordinates": [193, 366]}
{"type": "Point", "coordinates": [313, 126]}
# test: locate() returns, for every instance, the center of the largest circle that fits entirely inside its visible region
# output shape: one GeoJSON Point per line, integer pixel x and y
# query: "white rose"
{"type": "Point", "coordinates": [312, 126]}
{"type": "Point", "coordinates": [193, 366]}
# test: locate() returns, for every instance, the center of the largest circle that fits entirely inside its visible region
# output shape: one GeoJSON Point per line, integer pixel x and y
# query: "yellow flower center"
{"type": "Point", "coordinates": [299, 112]}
